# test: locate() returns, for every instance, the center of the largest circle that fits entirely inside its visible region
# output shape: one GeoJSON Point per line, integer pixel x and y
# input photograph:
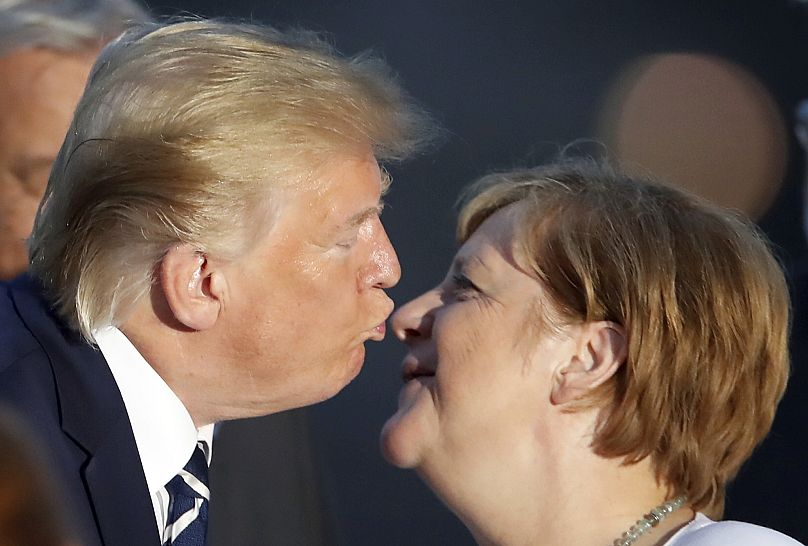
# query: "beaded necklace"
{"type": "Point", "coordinates": [649, 521]}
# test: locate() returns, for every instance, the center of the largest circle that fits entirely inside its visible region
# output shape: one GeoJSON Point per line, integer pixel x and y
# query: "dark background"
{"type": "Point", "coordinates": [512, 83]}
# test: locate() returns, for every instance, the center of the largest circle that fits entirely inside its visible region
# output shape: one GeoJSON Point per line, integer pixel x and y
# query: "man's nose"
{"type": "Point", "coordinates": [384, 270]}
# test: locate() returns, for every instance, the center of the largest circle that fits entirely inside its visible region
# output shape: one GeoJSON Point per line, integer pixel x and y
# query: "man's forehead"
{"type": "Point", "coordinates": [343, 193]}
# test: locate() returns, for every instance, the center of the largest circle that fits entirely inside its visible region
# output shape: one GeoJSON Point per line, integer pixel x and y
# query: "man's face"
{"type": "Point", "coordinates": [303, 301]}
{"type": "Point", "coordinates": [39, 91]}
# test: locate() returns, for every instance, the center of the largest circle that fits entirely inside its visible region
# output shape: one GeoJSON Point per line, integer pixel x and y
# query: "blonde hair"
{"type": "Point", "coordinates": [182, 134]}
{"type": "Point", "coordinates": [703, 302]}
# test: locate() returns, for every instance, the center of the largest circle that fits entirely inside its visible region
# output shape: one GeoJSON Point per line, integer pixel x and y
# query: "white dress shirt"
{"type": "Point", "coordinates": [164, 431]}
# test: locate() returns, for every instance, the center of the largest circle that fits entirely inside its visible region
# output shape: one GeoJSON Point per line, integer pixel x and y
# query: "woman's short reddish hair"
{"type": "Point", "coordinates": [703, 301]}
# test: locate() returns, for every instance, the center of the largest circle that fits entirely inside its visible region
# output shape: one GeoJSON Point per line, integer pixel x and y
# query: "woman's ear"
{"type": "Point", "coordinates": [191, 287]}
{"type": "Point", "coordinates": [599, 351]}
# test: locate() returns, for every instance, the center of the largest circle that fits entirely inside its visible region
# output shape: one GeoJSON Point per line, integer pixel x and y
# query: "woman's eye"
{"type": "Point", "coordinates": [463, 288]}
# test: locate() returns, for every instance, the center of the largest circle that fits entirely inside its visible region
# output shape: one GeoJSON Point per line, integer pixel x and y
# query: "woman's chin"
{"type": "Point", "coordinates": [407, 435]}
{"type": "Point", "coordinates": [398, 448]}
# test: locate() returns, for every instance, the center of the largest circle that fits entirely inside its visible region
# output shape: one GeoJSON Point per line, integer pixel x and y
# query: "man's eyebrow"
{"type": "Point", "coordinates": [362, 215]}
{"type": "Point", "coordinates": [358, 218]}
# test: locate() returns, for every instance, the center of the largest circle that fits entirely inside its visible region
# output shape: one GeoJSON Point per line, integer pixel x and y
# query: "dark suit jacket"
{"type": "Point", "coordinates": [267, 484]}
{"type": "Point", "coordinates": [62, 387]}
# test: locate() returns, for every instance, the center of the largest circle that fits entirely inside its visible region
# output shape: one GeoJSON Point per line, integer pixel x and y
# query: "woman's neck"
{"type": "Point", "coordinates": [572, 496]}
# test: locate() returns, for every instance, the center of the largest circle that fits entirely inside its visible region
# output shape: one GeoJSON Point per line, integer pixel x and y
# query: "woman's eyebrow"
{"type": "Point", "coordinates": [477, 260]}
{"type": "Point", "coordinates": [461, 264]}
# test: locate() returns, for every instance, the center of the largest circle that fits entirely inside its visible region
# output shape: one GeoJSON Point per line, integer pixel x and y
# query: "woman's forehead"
{"type": "Point", "coordinates": [497, 240]}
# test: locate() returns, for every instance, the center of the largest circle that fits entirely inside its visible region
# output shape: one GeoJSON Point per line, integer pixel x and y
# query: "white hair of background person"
{"type": "Point", "coordinates": [65, 25]}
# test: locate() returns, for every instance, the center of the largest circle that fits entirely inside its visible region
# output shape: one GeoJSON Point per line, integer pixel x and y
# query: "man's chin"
{"type": "Point", "coordinates": [318, 387]}
{"type": "Point", "coordinates": [356, 361]}
{"type": "Point", "coordinates": [349, 371]}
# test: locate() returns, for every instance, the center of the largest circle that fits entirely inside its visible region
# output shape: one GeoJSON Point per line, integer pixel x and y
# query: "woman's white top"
{"type": "Point", "coordinates": [703, 531]}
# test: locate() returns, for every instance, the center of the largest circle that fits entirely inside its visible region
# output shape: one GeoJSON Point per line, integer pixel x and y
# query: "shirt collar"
{"type": "Point", "coordinates": [164, 431]}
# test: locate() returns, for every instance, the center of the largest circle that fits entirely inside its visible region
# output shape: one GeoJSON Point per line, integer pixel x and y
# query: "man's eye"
{"type": "Point", "coordinates": [347, 244]}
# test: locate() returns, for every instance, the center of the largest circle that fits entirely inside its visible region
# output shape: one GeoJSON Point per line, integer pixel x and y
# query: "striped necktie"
{"type": "Point", "coordinates": [188, 508]}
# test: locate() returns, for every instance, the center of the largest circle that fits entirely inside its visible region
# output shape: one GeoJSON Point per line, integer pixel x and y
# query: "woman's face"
{"type": "Point", "coordinates": [479, 371]}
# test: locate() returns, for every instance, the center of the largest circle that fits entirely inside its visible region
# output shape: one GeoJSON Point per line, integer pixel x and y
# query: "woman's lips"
{"type": "Point", "coordinates": [411, 369]}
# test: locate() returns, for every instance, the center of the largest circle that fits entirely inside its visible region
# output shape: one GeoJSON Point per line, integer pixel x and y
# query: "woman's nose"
{"type": "Point", "coordinates": [413, 321]}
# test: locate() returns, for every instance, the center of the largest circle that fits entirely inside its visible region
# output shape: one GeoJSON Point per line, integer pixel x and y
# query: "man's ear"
{"type": "Point", "coordinates": [191, 287]}
{"type": "Point", "coordinates": [600, 350]}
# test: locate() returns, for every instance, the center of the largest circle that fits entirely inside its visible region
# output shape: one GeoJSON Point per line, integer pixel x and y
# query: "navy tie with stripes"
{"type": "Point", "coordinates": [188, 508]}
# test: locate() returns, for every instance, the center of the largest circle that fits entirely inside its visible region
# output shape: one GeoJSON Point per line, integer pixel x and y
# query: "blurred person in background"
{"type": "Point", "coordinates": [602, 356]}
{"type": "Point", "coordinates": [46, 50]}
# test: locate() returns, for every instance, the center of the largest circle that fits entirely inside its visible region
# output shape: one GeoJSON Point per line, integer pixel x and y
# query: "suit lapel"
{"type": "Point", "coordinates": [94, 416]}
{"type": "Point", "coordinates": [117, 490]}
